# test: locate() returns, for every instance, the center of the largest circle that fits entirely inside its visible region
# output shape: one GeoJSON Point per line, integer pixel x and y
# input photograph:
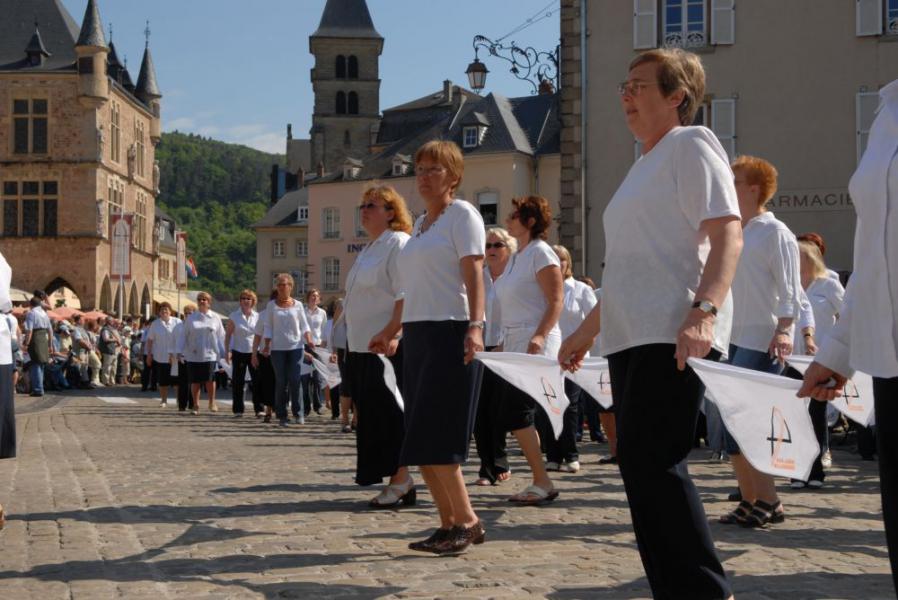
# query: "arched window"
{"type": "Point", "coordinates": [346, 140]}
{"type": "Point", "coordinates": [341, 103]}
{"type": "Point", "coordinates": [353, 67]}
{"type": "Point", "coordinates": [341, 67]}
{"type": "Point", "coordinates": [353, 108]}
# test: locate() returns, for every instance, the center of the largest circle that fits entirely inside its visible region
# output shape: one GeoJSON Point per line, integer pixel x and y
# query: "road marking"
{"type": "Point", "coordinates": [117, 400]}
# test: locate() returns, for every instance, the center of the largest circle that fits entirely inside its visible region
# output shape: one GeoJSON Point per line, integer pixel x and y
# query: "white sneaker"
{"type": "Point", "coordinates": [570, 467]}
{"type": "Point", "coordinates": [163, 404]}
{"type": "Point", "coordinates": [552, 466]}
{"type": "Point", "coordinates": [827, 459]}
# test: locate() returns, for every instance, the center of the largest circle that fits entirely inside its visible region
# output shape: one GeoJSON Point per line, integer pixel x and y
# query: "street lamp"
{"type": "Point", "coordinates": [539, 69]}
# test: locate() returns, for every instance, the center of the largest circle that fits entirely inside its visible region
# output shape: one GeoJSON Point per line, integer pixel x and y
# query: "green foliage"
{"type": "Point", "coordinates": [215, 191]}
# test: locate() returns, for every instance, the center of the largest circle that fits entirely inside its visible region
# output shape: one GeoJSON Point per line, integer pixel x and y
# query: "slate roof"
{"type": "Point", "coordinates": [346, 19]}
{"type": "Point", "coordinates": [36, 44]}
{"type": "Point", "coordinates": [117, 70]}
{"type": "Point", "coordinates": [92, 28]}
{"type": "Point", "coordinates": [58, 33]}
{"type": "Point", "coordinates": [284, 212]}
{"type": "Point", "coordinates": [529, 125]}
{"type": "Point", "coordinates": [147, 88]}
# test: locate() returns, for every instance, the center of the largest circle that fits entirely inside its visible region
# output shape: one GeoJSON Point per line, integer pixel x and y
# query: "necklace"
{"type": "Point", "coordinates": [425, 228]}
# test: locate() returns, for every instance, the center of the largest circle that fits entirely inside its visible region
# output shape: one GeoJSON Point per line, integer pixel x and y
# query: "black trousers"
{"type": "Point", "coordinates": [565, 447]}
{"type": "Point", "coordinates": [489, 434]}
{"type": "Point", "coordinates": [885, 394]}
{"type": "Point", "coordinates": [657, 409]}
{"type": "Point", "coordinates": [184, 399]}
{"type": "Point", "coordinates": [817, 412]}
{"type": "Point", "coordinates": [240, 362]}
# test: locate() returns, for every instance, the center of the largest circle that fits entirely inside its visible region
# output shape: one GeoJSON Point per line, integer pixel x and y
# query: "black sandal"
{"type": "Point", "coordinates": [738, 515]}
{"type": "Point", "coordinates": [763, 514]}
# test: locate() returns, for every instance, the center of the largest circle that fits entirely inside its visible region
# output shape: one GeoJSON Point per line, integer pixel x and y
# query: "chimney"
{"type": "Point", "coordinates": [320, 169]}
{"type": "Point", "coordinates": [300, 178]}
{"type": "Point", "coordinates": [289, 131]}
{"type": "Point", "coordinates": [447, 91]}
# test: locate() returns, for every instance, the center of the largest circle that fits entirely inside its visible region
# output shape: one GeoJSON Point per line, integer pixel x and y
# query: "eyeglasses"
{"type": "Point", "coordinates": [634, 88]}
{"type": "Point", "coordinates": [496, 245]}
{"type": "Point", "coordinates": [202, 300]}
{"type": "Point", "coordinates": [369, 206]}
{"type": "Point", "coordinates": [284, 283]}
{"type": "Point", "coordinates": [429, 171]}
{"type": "Point", "coordinates": [246, 298]}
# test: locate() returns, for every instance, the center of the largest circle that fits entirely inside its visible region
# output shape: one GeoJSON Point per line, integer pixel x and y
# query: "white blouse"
{"type": "Point", "coordinates": [579, 300]}
{"type": "Point", "coordinates": [6, 333]}
{"type": "Point", "coordinates": [244, 329]}
{"type": "Point", "coordinates": [492, 331]}
{"type": "Point", "coordinates": [372, 289]}
{"type": "Point", "coordinates": [866, 336]}
{"type": "Point", "coordinates": [825, 296]}
{"type": "Point", "coordinates": [202, 338]}
{"type": "Point", "coordinates": [655, 251]}
{"type": "Point", "coordinates": [316, 319]}
{"type": "Point", "coordinates": [767, 285]}
{"type": "Point", "coordinates": [285, 326]}
{"type": "Point", "coordinates": [162, 335]}
{"type": "Point", "coordinates": [429, 270]}
{"type": "Point", "coordinates": [522, 303]}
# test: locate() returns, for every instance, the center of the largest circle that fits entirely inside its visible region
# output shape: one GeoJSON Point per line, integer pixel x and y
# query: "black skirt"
{"type": "Point", "coordinates": [263, 384]}
{"type": "Point", "coordinates": [162, 371]}
{"type": "Point", "coordinates": [7, 413]}
{"type": "Point", "coordinates": [381, 424]}
{"type": "Point", "coordinates": [201, 372]}
{"type": "Point", "coordinates": [440, 393]}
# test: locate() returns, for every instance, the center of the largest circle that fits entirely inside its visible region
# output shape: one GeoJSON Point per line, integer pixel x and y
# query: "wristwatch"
{"type": "Point", "coordinates": [706, 306]}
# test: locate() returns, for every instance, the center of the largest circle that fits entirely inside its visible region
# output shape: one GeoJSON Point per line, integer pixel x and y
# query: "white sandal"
{"type": "Point", "coordinates": [541, 496]}
{"type": "Point", "coordinates": [394, 495]}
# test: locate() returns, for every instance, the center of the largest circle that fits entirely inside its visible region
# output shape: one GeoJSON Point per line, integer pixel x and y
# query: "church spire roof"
{"type": "Point", "coordinates": [346, 19]}
{"type": "Point", "coordinates": [147, 88]}
{"type": "Point", "coordinates": [91, 27]}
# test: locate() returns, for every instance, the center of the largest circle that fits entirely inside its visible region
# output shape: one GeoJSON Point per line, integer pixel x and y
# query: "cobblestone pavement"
{"type": "Point", "coordinates": [128, 500]}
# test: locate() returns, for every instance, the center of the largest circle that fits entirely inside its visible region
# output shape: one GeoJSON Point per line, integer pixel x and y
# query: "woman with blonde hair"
{"type": "Point", "coordinates": [489, 434]}
{"type": "Point", "coordinates": [239, 343]}
{"type": "Point", "coordinates": [202, 344]}
{"type": "Point", "coordinates": [285, 331]}
{"type": "Point", "coordinates": [441, 274]}
{"type": "Point", "coordinates": [373, 312]}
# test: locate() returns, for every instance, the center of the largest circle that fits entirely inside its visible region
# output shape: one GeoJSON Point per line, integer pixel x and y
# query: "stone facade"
{"type": "Point", "coordinates": [572, 232]}
{"type": "Point", "coordinates": [57, 202]}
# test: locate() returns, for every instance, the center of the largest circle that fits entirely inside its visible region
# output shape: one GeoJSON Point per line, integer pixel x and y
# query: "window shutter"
{"type": "Point", "coordinates": [723, 21]}
{"type": "Point", "coordinates": [723, 124]}
{"type": "Point", "coordinates": [645, 24]}
{"type": "Point", "coordinates": [865, 111]}
{"type": "Point", "coordinates": [869, 17]}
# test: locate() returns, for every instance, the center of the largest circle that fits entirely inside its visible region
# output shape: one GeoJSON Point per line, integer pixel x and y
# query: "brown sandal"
{"type": "Point", "coordinates": [2, 517]}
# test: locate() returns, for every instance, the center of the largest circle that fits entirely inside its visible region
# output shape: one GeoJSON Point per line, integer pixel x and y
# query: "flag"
{"type": "Point", "coordinates": [190, 267]}
{"type": "Point", "coordinates": [390, 381]}
{"type": "Point", "coordinates": [594, 379]}
{"type": "Point", "coordinates": [539, 377]}
{"type": "Point", "coordinates": [327, 370]}
{"type": "Point", "coordinates": [856, 402]}
{"type": "Point", "coordinates": [760, 410]}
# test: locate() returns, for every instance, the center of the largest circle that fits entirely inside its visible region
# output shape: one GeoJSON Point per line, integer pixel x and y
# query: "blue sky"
{"type": "Point", "coordinates": [238, 71]}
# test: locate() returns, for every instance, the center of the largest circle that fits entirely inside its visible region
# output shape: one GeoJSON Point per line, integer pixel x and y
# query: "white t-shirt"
{"type": "Point", "coordinates": [316, 319]}
{"type": "Point", "coordinates": [654, 251]}
{"type": "Point", "coordinates": [522, 302]}
{"type": "Point", "coordinates": [429, 269]}
{"type": "Point", "coordinates": [6, 333]}
{"type": "Point", "coordinates": [372, 289]}
{"type": "Point", "coordinates": [244, 329]}
{"type": "Point", "coordinates": [285, 326]}
{"type": "Point", "coordinates": [259, 327]}
{"type": "Point", "coordinates": [162, 335]}
{"type": "Point", "coordinates": [579, 300]}
{"type": "Point", "coordinates": [767, 285]}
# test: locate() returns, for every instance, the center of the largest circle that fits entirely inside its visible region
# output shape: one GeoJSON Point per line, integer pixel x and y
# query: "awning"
{"type": "Point", "coordinates": [17, 295]}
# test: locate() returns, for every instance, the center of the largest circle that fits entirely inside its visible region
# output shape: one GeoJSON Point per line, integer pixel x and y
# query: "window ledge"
{"type": "Point", "coordinates": [332, 239]}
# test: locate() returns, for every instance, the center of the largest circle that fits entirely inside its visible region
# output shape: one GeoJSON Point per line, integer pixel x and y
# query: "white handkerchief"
{"type": "Point", "coordinates": [856, 402]}
{"type": "Point", "coordinates": [595, 380]}
{"type": "Point", "coordinates": [390, 381]}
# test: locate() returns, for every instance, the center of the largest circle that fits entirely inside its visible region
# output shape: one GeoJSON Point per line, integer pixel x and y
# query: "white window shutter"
{"type": "Point", "coordinates": [645, 24]}
{"type": "Point", "coordinates": [723, 22]}
{"type": "Point", "coordinates": [869, 17]}
{"type": "Point", "coordinates": [866, 104]}
{"type": "Point", "coordinates": [723, 124]}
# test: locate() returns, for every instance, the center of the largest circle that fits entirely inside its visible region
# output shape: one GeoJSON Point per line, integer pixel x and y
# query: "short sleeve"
{"type": "Point", "coordinates": [393, 268]}
{"type": "Point", "coordinates": [704, 180]}
{"type": "Point", "coordinates": [468, 233]}
{"type": "Point", "coordinates": [544, 256]}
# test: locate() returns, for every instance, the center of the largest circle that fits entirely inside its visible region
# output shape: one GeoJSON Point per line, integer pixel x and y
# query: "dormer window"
{"type": "Point", "coordinates": [472, 136]}
{"type": "Point", "coordinates": [401, 165]}
{"type": "Point", "coordinates": [352, 168]}
{"type": "Point", "coordinates": [399, 169]}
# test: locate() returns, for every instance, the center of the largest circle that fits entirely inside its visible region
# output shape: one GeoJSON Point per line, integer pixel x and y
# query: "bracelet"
{"type": "Point", "coordinates": [479, 324]}
{"type": "Point", "coordinates": [808, 335]}
{"type": "Point", "coordinates": [784, 332]}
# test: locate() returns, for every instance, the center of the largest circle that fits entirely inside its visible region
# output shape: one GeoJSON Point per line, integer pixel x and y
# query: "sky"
{"type": "Point", "coordinates": [239, 71]}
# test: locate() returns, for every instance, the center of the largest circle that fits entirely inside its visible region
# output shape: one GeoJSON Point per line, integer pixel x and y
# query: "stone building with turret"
{"type": "Point", "coordinates": [77, 145]}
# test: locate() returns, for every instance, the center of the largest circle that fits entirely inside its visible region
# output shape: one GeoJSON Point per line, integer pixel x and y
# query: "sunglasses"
{"type": "Point", "coordinates": [496, 245]}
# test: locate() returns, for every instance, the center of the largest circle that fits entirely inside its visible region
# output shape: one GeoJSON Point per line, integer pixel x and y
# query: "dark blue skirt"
{"type": "Point", "coordinates": [7, 413]}
{"type": "Point", "coordinates": [439, 391]}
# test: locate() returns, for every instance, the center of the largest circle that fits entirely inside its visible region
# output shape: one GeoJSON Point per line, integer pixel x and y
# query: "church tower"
{"type": "Point", "coordinates": [346, 83]}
